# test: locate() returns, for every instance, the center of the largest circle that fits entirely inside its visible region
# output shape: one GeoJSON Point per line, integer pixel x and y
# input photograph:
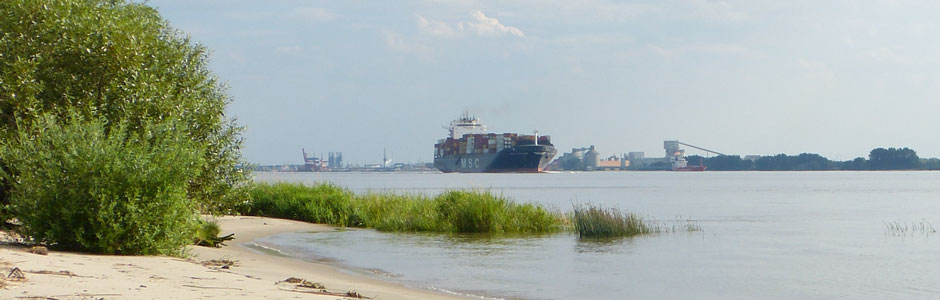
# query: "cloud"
{"type": "Point", "coordinates": [486, 26]}
{"type": "Point", "coordinates": [435, 28]}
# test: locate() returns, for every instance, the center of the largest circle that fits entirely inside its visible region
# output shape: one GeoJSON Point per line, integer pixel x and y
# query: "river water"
{"type": "Point", "coordinates": [765, 235]}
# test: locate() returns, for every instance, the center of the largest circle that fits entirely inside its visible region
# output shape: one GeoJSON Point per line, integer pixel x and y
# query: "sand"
{"type": "Point", "coordinates": [63, 275]}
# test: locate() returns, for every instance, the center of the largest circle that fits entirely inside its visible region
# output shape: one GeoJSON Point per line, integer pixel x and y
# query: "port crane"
{"type": "Point", "coordinates": [700, 148]}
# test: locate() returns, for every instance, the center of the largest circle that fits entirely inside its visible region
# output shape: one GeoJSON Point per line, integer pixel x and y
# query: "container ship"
{"type": "Point", "coordinates": [470, 149]}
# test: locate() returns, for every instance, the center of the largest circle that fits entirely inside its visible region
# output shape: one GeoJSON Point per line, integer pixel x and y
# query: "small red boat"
{"type": "Point", "coordinates": [690, 169]}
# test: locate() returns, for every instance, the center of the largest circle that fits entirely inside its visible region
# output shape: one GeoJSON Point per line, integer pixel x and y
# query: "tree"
{"type": "Point", "coordinates": [893, 159]}
{"type": "Point", "coordinates": [728, 163]}
{"type": "Point", "coordinates": [572, 163]}
{"type": "Point", "coordinates": [121, 62]}
{"type": "Point", "coordinates": [858, 163]}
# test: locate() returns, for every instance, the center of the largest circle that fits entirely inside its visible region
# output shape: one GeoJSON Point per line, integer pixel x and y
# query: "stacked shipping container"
{"type": "Point", "coordinates": [484, 143]}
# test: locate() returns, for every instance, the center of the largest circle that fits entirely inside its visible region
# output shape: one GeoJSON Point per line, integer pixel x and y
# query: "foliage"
{"type": "Point", "coordinates": [399, 212]}
{"type": "Point", "coordinates": [572, 163]}
{"type": "Point", "coordinates": [322, 203]}
{"type": "Point", "coordinates": [474, 211]}
{"type": "Point", "coordinates": [593, 221]}
{"type": "Point", "coordinates": [452, 211]}
{"type": "Point", "coordinates": [695, 160]}
{"type": "Point", "coordinates": [893, 159]}
{"type": "Point", "coordinates": [207, 234]}
{"type": "Point", "coordinates": [120, 61]}
{"type": "Point", "coordinates": [90, 185]}
{"type": "Point", "coordinates": [728, 163]}
{"type": "Point", "coordinates": [856, 164]}
{"type": "Point", "coordinates": [879, 159]}
{"type": "Point", "coordinates": [930, 163]}
{"type": "Point", "coordinates": [783, 162]}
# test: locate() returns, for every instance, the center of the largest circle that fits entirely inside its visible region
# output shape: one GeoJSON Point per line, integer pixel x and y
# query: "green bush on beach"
{"type": "Point", "coordinates": [120, 61]}
{"type": "Point", "coordinates": [113, 128]}
{"type": "Point", "coordinates": [89, 186]}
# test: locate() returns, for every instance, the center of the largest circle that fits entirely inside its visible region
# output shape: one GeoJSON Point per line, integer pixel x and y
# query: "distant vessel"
{"type": "Point", "coordinates": [681, 165]}
{"type": "Point", "coordinates": [469, 149]}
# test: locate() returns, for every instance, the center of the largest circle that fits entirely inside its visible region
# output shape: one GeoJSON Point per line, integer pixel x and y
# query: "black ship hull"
{"type": "Point", "coordinates": [523, 158]}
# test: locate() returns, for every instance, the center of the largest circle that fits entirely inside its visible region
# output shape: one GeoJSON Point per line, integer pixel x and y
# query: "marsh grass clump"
{"type": "Point", "coordinates": [898, 228]}
{"type": "Point", "coordinates": [476, 211]}
{"type": "Point", "coordinates": [451, 211]}
{"type": "Point", "coordinates": [398, 212]}
{"type": "Point", "coordinates": [594, 221]}
{"type": "Point", "coordinates": [322, 203]}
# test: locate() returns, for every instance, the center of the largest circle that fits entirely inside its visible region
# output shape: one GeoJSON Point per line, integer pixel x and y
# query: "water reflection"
{"type": "Point", "coordinates": [622, 245]}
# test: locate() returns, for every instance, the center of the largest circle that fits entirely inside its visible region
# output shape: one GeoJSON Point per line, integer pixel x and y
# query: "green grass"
{"type": "Point", "coordinates": [451, 211]}
{"type": "Point", "coordinates": [476, 211]}
{"type": "Point", "coordinates": [594, 221]}
{"type": "Point", "coordinates": [454, 211]}
{"type": "Point", "coordinates": [322, 203]}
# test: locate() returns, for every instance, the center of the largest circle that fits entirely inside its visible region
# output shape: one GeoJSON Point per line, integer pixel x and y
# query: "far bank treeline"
{"type": "Point", "coordinates": [878, 159]}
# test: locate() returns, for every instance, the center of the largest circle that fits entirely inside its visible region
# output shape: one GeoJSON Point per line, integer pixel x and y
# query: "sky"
{"type": "Point", "coordinates": [837, 78]}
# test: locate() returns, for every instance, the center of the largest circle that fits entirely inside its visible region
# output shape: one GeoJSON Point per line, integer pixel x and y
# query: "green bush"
{"type": "Point", "coordinates": [93, 186]}
{"type": "Point", "coordinates": [593, 221]}
{"type": "Point", "coordinates": [323, 203]}
{"type": "Point", "coordinates": [118, 60]}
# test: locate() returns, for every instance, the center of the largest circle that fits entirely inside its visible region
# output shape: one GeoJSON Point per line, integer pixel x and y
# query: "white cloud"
{"type": "Point", "coordinates": [487, 26]}
{"type": "Point", "coordinates": [435, 28]}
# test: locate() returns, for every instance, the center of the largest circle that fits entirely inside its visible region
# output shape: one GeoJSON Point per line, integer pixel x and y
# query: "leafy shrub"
{"type": "Point", "coordinates": [323, 203]}
{"type": "Point", "coordinates": [92, 186]}
{"type": "Point", "coordinates": [118, 60]}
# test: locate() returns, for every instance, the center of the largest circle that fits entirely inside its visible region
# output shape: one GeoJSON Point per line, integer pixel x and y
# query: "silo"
{"type": "Point", "coordinates": [592, 159]}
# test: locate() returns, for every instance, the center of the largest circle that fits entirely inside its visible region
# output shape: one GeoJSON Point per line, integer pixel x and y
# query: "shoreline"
{"type": "Point", "coordinates": [202, 275]}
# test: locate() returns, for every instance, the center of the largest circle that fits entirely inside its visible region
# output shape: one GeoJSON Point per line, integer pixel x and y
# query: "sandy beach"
{"type": "Point", "coordinates": [207, 273]}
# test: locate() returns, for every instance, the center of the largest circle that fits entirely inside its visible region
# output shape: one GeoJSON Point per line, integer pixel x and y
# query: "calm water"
{"type": "Point", "coordinates": [766, 235]}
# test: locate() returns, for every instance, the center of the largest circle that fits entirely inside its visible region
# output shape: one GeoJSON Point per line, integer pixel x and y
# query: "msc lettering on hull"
{"type": "Point", "coordinates": [469, 163]}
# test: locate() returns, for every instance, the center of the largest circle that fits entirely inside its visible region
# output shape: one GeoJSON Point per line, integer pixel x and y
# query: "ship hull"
{"type": "Point", "coordinates": [690, 169]}
{"type": "Point", "coordinates": [525, 159]}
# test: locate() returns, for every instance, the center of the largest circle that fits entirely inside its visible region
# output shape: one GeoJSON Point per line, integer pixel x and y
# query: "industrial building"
{"type": "Point", "coordinates": [589, 159]}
